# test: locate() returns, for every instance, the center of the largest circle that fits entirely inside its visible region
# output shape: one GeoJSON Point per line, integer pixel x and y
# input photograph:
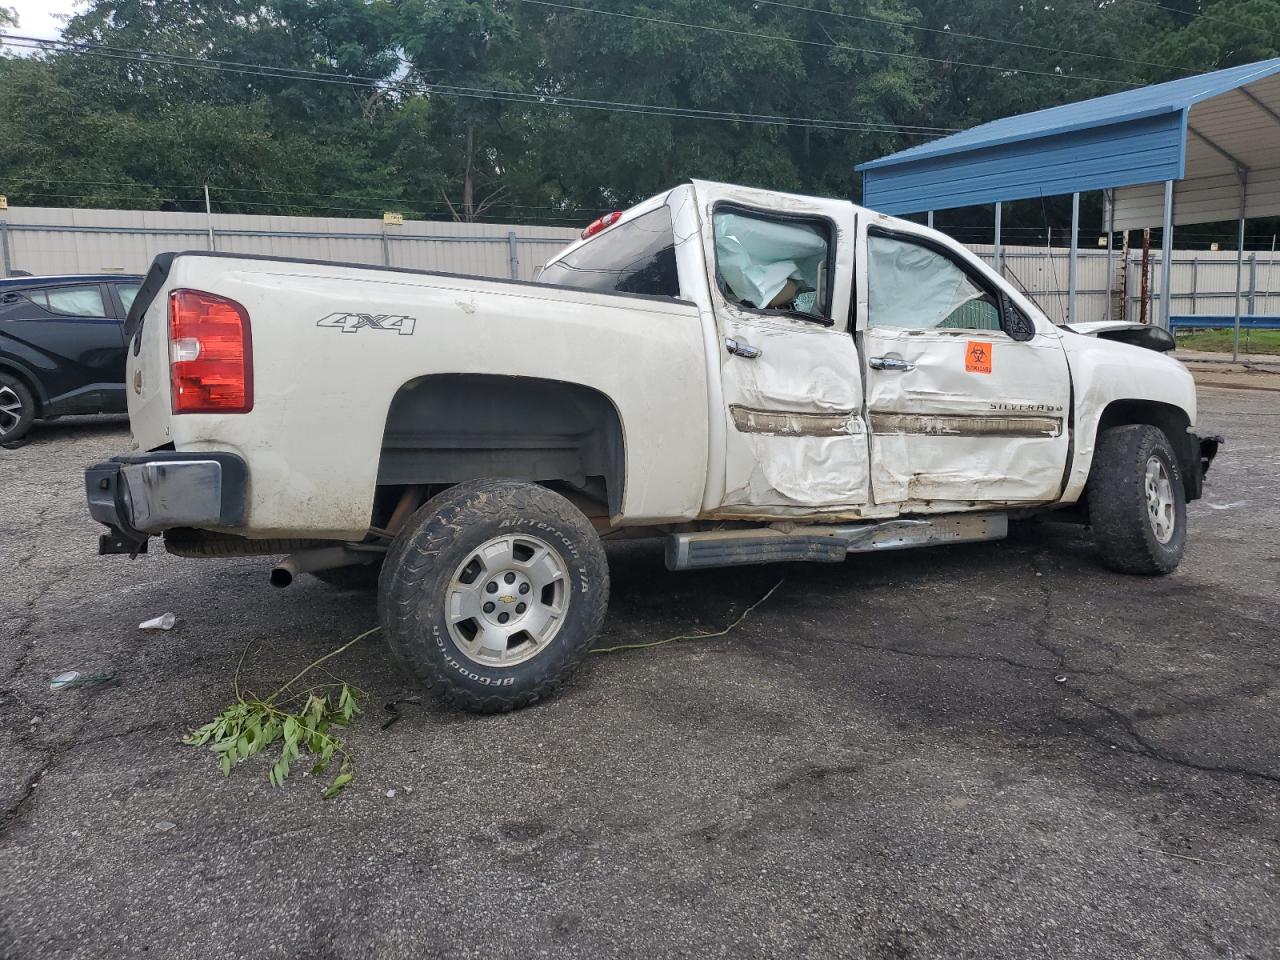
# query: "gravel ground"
{"type": "Point", "coordinates": [995, 750]}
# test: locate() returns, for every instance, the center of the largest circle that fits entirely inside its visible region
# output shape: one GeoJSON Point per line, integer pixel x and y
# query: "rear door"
{"type": "Point", "coordinates": [778, 269]}
{"type": "Point", "coordinates": [961, 414]}
{"type": "Point", "coordinates": [72, 331]}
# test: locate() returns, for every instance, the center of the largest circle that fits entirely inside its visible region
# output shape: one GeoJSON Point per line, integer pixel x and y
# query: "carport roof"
{"type": "Point", "coordinates": [1137, 136]}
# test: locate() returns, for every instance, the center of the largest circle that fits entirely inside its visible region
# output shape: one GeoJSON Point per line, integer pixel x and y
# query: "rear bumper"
{"type": "Point", "coordinates": [142, 494]}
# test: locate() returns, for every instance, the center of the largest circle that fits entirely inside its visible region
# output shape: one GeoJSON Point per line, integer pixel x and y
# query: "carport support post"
{"type": "Point", "coordinates": [1244, 196]}
{"type": "Point", "coordinates": [929, 220]}
{"type": "Point", "coordinates": [1111, 232]}
{"type": "Point", "coordinates": [1166, 255]}
{"type": "Point", "coordinates": [4, 248]}
{"type": "Point", "coordinates": [998, 253]}
{"type": "Point", "coordinates": [1074, 263]}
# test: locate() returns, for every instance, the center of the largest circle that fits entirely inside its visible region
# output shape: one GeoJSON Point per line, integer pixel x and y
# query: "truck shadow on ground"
{"type": "Point", "coordinates": [1030, 641]}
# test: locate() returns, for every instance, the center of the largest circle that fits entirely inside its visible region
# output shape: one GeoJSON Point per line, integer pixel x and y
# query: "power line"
{"type": "Point", "coordinates": [1195, 16]}
{"type": "Point", "coordinates": [833, 46]}
{"type": "Point", "coordinates": [537, 99]}
{"type": "Point", "coordinates": [968, 36]}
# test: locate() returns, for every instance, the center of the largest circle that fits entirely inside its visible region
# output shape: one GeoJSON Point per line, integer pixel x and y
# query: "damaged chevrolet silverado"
{"type": "Point", "coordinates": [752, 376]}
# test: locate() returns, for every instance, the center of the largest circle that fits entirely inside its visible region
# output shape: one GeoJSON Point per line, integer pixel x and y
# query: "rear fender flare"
{"type": "Point", "coordinates": [11, 366]}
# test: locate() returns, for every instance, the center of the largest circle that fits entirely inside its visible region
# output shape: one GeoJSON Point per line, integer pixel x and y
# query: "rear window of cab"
{"type": "Point", "coordinates": [637, 256]}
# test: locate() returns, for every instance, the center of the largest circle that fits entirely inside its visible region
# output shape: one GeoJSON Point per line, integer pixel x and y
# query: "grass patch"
{"type": "Point", "coordinates": [1219, 341]}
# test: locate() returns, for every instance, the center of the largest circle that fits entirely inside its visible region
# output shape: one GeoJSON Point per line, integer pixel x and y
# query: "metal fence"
{"type": "Point", "coordinates": [52, 240]}
{"type": "Point", "coordinates": [47, 240]}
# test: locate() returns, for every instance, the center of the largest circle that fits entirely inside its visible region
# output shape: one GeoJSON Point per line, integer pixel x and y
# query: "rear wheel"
{"type": "Point", "coordinates": [1137, 504]}
{"type": "Point", "coordinates": [493, 593]}
{"type": "Point", "coordinates": [17, 409]}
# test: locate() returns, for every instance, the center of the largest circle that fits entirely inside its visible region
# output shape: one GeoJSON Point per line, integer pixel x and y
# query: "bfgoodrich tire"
{"type": "Point", "coordinates": [17, 409]}
{"type": "Point", "coordinates": [1137, 504]}
{"type": "Point", "coordinates": [493, 593]}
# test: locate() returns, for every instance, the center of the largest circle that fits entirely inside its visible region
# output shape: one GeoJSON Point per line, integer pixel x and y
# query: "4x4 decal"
{"type": "Point", "coordinates": [351, 322]}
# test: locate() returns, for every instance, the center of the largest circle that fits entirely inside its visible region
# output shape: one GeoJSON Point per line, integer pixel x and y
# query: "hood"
{"type": "Point", "coordinates": [1122, 331]}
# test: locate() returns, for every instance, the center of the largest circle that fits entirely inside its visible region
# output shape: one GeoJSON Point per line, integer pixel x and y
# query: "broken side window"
{"type": "Point", "coordinates": [913, 287]}
{"type": "Point", "coordinates": [773, 264]}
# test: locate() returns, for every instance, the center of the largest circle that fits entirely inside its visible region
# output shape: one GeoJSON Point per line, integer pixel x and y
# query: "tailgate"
{"type": "Point", "coordinates": [147, 359]}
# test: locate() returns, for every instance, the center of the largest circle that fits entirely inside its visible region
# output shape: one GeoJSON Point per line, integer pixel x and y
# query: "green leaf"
{"type": "Point", "coordinates": [340, 781]}
{"type": "Point", "coordinates": [280, 772]}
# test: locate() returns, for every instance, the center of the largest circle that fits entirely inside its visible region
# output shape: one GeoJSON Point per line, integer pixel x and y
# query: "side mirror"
{"type": "Point", "coordinates": [1016, 323]}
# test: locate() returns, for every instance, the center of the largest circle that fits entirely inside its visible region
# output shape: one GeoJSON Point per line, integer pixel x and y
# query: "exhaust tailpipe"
{"type": "Point", "coordinates": [318, 558]}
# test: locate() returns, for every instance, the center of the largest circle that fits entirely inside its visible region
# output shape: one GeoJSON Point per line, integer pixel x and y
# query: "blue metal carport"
{"type": "Point", "coordinates": [1202, 149]}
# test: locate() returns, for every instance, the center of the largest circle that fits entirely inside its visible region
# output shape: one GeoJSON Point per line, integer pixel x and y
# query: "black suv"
{"type": "Point", "coordinates": [61, 347]}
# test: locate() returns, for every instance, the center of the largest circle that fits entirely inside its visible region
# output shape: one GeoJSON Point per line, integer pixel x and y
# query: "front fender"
{"type": "Point", "coordinates": [1104, 372]}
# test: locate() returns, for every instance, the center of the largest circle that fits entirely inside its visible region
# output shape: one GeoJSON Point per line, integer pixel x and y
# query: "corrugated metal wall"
{"type": "Point", "coordinates": [44, 240]}
{"type": "Point", "coordinates": [48, 240]}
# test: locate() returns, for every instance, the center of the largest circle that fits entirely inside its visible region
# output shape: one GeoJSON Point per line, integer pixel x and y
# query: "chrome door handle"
{"type": "Point", "coordinates": [890, 363]}
{"type": "Point", "coordinates": [740, 348]}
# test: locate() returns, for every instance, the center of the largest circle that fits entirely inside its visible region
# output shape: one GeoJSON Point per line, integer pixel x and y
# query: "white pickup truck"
{"type": "Point", "coordinates": [753, 376]}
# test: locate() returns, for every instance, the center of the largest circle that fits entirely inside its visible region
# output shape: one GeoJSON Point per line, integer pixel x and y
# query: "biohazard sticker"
{"type": "Point", "coordinates": [977, 357]}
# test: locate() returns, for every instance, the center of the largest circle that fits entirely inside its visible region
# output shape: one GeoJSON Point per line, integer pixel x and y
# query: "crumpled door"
{"type": "Point", "coordinates": [795, 440]}
{"type": "Point", "coordinates": [960, 414]}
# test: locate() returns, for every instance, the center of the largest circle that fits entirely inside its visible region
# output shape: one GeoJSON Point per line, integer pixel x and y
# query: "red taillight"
{"type": "Point", "coordinates": [210, 354]}
{"type": "Point", "coordinates": [595, 226]}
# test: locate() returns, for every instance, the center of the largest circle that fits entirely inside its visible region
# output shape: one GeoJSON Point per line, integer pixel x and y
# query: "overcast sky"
{"type": "Point", "coordinates": [38, 18]}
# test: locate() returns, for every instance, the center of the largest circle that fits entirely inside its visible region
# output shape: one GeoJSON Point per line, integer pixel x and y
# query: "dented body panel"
{"type": "Point", "coordinates": [1104, 372]}
{"type": "Point", "coordinates": [806, 410]}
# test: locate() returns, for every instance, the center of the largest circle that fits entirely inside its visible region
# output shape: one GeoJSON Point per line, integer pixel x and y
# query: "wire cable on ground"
{"type": "Point", "coordinates": [691, 636]}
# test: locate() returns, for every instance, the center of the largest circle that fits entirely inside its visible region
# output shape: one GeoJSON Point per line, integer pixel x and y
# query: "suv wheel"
{"type": "Point", "coordinates": [492, 594]}
{"type": "Point", "coordinates": [17, 409]}
{"type": "Point", "coordinates": [1137, 504]}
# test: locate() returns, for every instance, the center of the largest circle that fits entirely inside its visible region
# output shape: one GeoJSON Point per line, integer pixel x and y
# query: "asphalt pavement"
{"type": "Point", "coordinates": [994, 750]}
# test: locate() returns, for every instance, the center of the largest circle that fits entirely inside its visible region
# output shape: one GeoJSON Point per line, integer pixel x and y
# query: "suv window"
{"type": "Point", "coordinates": [638, 256]}
{"type": "Point", "coordinates": [912, 286]}
{"type": "Point", "coordinates": [82, 300]}
{"type": "Point", "coordinates": [770, 263]}
{"type": "Point", "coordinates": [127, 292]}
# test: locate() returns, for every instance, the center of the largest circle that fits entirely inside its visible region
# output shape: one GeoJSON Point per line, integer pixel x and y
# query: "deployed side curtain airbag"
{"type": "Point", "coordinates": [911, 287]}
{"type": "Point", "coordinates": [757, 257]}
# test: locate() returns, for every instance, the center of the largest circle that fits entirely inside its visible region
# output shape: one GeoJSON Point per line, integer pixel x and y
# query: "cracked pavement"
{"type": "Point", "coordinates": [992, 750]}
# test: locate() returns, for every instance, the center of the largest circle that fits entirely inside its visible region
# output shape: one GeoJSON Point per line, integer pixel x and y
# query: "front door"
{"type": "Point", "coordinates": [961, 414]}
{"type": "Point", "coordinates": [795, 440]}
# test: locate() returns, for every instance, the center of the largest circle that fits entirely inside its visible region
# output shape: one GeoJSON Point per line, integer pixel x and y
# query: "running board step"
{"type": "Point", "coordinates": [827, 544]}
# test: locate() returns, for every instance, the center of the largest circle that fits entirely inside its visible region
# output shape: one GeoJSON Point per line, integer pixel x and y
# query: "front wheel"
{"type": "Point", "coordinates": [493, 593]}
{"type": "Point", "coordinates": [1137, 503]}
